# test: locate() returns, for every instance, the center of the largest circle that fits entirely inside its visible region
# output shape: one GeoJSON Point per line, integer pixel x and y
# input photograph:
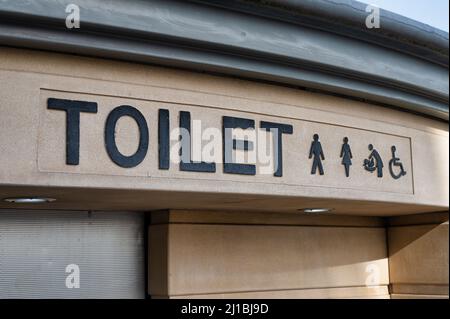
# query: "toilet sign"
{"type": "Point", "coordinates": [125, 137]}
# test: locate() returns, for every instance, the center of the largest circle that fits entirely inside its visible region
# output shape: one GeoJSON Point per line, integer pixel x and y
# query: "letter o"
{"type": "Point", "coordinates": [110, 139]}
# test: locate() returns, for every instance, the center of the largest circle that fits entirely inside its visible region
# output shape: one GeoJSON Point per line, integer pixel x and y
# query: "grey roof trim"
{"type": "Point", "coordinates": [210, 38]}
{"type": "Point", "coordinates": [347, 17]}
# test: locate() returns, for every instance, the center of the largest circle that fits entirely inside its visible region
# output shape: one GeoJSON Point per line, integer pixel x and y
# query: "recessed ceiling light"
{"type": "Point", "coordinates": [29, 200]}
{"type": "Point", "coordinates": [315, 210]}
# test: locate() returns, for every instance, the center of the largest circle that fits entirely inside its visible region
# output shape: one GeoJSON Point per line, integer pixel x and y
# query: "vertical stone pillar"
{"type": "Point", "coordinates": [418, 256]}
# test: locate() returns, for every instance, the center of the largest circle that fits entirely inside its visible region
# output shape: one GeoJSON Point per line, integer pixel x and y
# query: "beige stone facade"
{"type": "Point", "coordinates": [219, 235]}
{"type": "Point", "coordinates": [272, 255]}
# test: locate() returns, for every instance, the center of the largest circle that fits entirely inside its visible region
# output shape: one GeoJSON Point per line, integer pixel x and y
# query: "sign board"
{"type": "Point", "coordinates": [82, 133]}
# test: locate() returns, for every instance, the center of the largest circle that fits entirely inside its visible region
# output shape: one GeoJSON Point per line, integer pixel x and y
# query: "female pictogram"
{"type": "Point", "coordinates": [395, 161]}
{"type": "Point", "coordinates": [374, 162]}
{"type": "Point", "coordinates": [346, 155]}
{"type": "Point", "coordinates": [317, 152]}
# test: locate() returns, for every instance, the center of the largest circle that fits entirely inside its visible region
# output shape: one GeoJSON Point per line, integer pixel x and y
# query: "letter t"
{"type": "Point", "coordinates": [73, 110]}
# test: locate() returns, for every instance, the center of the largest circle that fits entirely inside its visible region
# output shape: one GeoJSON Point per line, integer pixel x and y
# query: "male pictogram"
{"type": "Point", "coordinates": [374, 162]}
{"type": "Point", "coordinates": [395, 161]}
{"type": "Point", "coordinates": [316, 152]}
{"type": "Point", "coordinates": [346, 155]}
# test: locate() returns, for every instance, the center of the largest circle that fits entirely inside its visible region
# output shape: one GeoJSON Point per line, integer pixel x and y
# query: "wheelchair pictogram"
{"type": "Point", "coordinates": [395, 163]}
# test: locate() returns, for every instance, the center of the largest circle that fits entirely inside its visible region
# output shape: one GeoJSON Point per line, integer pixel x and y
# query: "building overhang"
{"type": "Point", "coordinates": [318, 45]}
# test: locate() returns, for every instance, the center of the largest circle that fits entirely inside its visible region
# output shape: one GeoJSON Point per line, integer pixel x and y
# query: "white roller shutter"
{"type": "Point", "coordinates": [37, 246]}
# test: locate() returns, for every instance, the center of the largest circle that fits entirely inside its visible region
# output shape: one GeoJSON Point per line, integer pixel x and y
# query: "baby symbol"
{"type": "Point", "coordinates": [374, 162]}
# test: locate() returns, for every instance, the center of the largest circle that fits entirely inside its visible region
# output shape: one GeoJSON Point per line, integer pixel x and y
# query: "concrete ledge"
{"type": "Point", "coordinates": [376, 292]}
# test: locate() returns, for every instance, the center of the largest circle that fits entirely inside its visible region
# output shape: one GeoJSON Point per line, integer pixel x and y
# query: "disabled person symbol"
{"type": "Point", "coordinates": [395, 163]}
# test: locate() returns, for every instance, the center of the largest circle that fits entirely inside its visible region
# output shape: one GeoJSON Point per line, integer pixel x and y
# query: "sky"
{"type": "Point", "coordinates": [431, 12]}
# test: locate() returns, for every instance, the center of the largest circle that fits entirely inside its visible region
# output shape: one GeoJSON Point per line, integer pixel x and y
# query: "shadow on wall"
{"type": "Point", "coordinates": [419, 252]}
